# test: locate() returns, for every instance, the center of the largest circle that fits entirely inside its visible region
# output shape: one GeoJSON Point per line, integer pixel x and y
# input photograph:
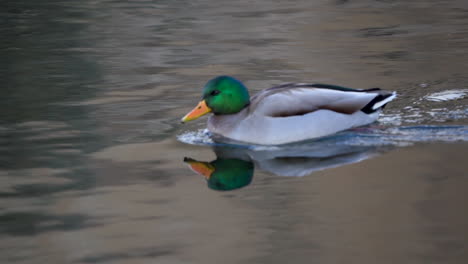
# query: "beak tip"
{"type": "Point", "coordinates": [187, 159]}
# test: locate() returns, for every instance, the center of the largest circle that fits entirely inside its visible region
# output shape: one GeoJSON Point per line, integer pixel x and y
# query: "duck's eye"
{"type": "Point", "coordinates": [214, 92]}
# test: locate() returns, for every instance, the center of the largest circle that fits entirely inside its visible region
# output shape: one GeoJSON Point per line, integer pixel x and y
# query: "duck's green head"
{"type": "Point", "coordinates": [224, 174]}
{"type": "Point", "coordinates": [222, 95]}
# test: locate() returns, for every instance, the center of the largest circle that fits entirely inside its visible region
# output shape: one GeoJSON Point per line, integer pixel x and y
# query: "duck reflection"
{"type": "Point", "coordinates": [224, 174]}
{"type": "Point", "coordinates": [234, 167]}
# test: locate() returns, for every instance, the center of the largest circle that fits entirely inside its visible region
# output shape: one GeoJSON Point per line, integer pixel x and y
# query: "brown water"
{"type": "Point", "coordinates": [91, 170]}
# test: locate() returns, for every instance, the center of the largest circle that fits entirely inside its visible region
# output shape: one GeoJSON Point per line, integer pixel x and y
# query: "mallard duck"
{"type": "Point", "coordinates": [286, 113]}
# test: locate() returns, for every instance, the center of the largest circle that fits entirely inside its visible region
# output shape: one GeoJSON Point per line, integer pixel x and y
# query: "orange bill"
{"type": "Point", "coordinates": [201, 168]}
{"type": "Point", "coordinates": [199, 110]}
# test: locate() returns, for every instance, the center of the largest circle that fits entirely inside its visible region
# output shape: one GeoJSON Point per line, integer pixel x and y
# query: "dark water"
{"type": "Point", "coordinates": [91, 158]}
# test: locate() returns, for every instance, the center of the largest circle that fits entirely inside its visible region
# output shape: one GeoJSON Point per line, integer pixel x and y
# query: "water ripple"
{"type": "Point", "coordinates": [364, 136]}
{"type": "Point", "coordinates": [447, 95]}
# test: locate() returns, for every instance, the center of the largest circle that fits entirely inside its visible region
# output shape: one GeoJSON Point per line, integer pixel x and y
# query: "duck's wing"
{"type": "Point", "coordinates": [301, 98]}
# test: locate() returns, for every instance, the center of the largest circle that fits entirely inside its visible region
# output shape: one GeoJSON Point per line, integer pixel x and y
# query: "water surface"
{"type": "Point", "coordinates": [91, 155]}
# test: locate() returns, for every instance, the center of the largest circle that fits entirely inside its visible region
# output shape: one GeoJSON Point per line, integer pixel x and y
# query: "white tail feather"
{"type": "Point", "coordinates": [383, 102]}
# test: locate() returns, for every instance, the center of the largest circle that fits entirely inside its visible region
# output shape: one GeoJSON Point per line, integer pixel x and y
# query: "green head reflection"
{"type": "Point", "coordinates": [224, 174]}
